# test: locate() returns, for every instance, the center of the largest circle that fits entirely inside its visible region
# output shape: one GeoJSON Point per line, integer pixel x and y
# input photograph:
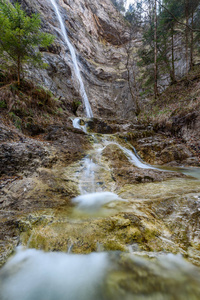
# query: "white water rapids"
{"type": "Point", "coordinates": [76, 124]}
{"type": "Point", "coordinates": [94, 201]}
{"type": "Point", "coordinates": [74, 60]}
{"type": "Point", "coordinates": [92, 186]}
{"type": "Point", "coordinates": [36, 275]}
{"type": "Point", "coordinates": [131, 156]}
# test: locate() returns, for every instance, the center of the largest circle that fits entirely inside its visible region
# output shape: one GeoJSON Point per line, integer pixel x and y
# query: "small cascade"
{"type": "Point", "coordinates": [93, 189]}
{"type": "Point", "coordinates": [70, 246]}
{"type": "Point", "coordinates": [76, 124]}
{"type": "Point", "coordinates": [134, 232]}
{"type": "Point", "coordinates": [87, 180]}
{"type": "Point", "coordinates": [94, 192]}
{"type": "Point", "coordinates": [132, 157]}
{"type": "Point", "coordinates": [74, 60]}
{"type": "Point", "coordinates": [94, 201]}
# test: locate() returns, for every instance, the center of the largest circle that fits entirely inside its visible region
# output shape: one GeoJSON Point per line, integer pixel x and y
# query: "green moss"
{"type": "Point", "coordinates": [3, 104]}
{"type": "Point", "coordinates": [16, 120]}
{"type": "Point", "coordinates": [75, 106]}
{"type": "Point", "coordinates": [134, 235]}
{"type": "Point", "coordinates": [60, 110]}
{"type": "Point", "coordinates": [113, 245]}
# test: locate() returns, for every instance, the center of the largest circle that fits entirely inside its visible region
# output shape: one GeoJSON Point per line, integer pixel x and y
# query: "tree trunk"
{"type": "Point", "coordinates": [186, 34]}
{"type": "Point", "coordinates": [155, 52]}
{"type": "Point", "coordinates": [18, 71]}
{"type": "Point", "coordinates": [172, 51]}
{"type": "Point", "coordinates": [192, 42]}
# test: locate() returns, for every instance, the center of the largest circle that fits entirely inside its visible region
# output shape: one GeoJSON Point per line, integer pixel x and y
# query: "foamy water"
{"type": "Point", "coordinates": [75, 62]}
{"type": "Point", "coordinates": [36, 275]}
{"type": "Point", "coordinates": [94, 201]}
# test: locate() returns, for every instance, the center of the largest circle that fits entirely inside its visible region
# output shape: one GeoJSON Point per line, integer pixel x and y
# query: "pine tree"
{"type": "Point", "coordinates": [163, 23]}
{"type": "Point", "coordinates": [155, 51]}
{"type": "Point", "coordinates": [20, 37]}
{"type": "Point", "coordinates": [167, 24]}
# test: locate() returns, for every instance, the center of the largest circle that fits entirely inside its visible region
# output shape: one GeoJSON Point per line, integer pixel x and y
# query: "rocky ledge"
{"type": "Point", "coordinates": [39, 179]}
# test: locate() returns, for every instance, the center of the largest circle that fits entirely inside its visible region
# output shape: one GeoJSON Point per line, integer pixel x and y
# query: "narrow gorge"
{"type": "Point", "coordinates": [96, 201]}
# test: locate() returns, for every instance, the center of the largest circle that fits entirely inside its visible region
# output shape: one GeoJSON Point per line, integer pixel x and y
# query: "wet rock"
{"type": "Point", "coordinates": [81, 122]}
{"type": "Point", "coordinates": [97, 32]}
{"type": "Point", "coordinates": [34, 129]}
{"type": "Point", "coordinates": [178, 212]}
{"type": "Point", "coordinates": [100, 126]}
{"type": "Point", "coordinates": [18, 157]}
{"type": "Point", "coordinates": [7, 134]}
{"type": "Point", "coordinates": [149, 219]}
{"type": "Point", "coordinates": [182, 216]}
{"type": "Point", "coordinates": [123, 171]}
{"type": "Point", "coordinates": [159, 150]}
{"type": "Point", "coordinates": [153, 277]}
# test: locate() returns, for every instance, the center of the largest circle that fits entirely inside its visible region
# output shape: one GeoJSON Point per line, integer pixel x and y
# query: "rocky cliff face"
{"type": "Point", "coordinates": [40, 167]}
{"type": "Point", "coordinates": [96, 31]}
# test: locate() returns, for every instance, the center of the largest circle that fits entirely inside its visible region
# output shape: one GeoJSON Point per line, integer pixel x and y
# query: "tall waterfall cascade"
{"type": "Point", "coordinates": [88, 109]}
{"type": "Point", "coordinates": [93, 220]}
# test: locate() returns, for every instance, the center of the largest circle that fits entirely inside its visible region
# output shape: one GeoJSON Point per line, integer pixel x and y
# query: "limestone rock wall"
{"type": "Point", "coordinates": [96, 31]}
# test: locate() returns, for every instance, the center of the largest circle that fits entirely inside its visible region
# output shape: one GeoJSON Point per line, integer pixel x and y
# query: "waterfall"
{"type": "Point", "coordinates": [76, 124]}
{"type": "Point", "coordinates": [94, 192]}
{"type": "Point", "coordinates": [87, 182]}
{"type": "Point", "coordinates": [75, 63]}
{"type": "Point", "coordinates": [132, 157]}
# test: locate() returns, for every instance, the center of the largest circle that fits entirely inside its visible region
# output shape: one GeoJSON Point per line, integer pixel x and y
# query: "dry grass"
{"type": "Point", "coordinates": [30, 105]}
{"type": "Point", "coordinates": [6, 77]}
{"type": "Point", "coordinates": [181, 100]}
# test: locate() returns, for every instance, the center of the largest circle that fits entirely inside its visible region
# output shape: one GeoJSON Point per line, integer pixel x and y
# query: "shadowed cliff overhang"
{"type": "Point", "coordinates": [109, 33]}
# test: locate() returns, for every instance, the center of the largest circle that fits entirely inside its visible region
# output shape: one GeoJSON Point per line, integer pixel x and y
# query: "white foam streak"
{"type": "Point", "coordinates": [94, 201]}
{"type": "Point", "coordinates": [76, 124]}
{"type": "Point", "coordinates": [131, 157]}
{"type": "Point", "coordinates": [75, 63]}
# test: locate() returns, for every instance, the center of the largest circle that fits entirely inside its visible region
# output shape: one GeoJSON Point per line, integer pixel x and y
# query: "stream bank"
{"type": "Point", "coordinates": [36, 209]}
{"type": "Point", "coordinates": [101, 208]}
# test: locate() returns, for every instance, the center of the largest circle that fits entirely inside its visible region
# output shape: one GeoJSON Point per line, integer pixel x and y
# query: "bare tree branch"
{"type": "Point", "coordinates": [179, 22]}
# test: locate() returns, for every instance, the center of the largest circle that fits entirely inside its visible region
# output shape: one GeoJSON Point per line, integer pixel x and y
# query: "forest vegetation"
{"type": "Point", "coordinates": [20, 38]}
{"type": "Point", "coordinates": [124, 183]}
{"type": "Point", "coordinates": [153, 69]}
{"type": "Point", "coordinates": [169, 31]}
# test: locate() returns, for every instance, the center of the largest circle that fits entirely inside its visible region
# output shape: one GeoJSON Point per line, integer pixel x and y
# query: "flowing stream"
{"type": "Point", "coordinates": [134, 274]}
{"type": "Point", "coordinates": [132, 157]}
{"type": "Point", "coordinates": [36, 275]}
{"type": "Point", "coordinates": [74, 60]}
{"type": "Point", "coordinates": [92, 186]}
